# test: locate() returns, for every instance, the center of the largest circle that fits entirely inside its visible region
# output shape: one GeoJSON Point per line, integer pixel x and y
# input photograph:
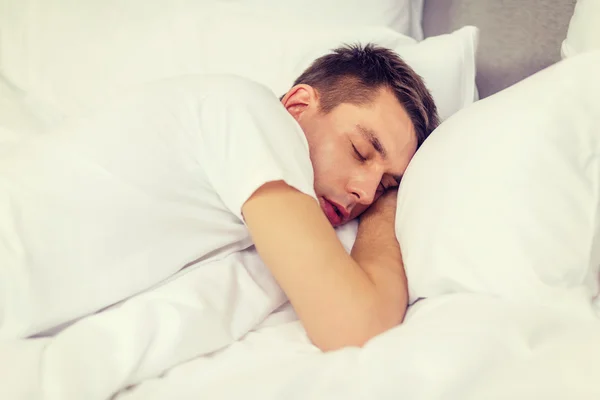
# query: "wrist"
{"type": "Point", "coordinates": [385, 215]}
{"type": "Point", "coordinates": [375, 229]}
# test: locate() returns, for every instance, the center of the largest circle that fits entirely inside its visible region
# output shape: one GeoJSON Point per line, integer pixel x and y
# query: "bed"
{"type": "Point", "coordinates": [519, 323]}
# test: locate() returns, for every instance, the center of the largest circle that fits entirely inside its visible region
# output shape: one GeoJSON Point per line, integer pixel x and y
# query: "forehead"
{"type": "Point", "coordinates": [385, 120]}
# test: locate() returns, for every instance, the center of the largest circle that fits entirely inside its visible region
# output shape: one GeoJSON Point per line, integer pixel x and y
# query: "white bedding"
{"type": "Point", "coordinates": [204, 335]}
{"type": "Point", "coordinates": [201, 310]}
{"type": "Point", "coordinates": [21, 114]}
{"type": "Point", "coordinates": [457, 347]}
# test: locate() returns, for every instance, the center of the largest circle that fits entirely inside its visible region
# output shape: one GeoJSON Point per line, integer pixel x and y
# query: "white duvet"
{"type": "Point", "coordinates": [224, 331]}
{"type": "Point", "coordinates": [459, 347]}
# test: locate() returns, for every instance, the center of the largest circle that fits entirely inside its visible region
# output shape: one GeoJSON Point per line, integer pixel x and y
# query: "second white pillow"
{"type": "Point", "coordinates": [72, 61]}
{"type": "Point", "coordinates": [504, 198]}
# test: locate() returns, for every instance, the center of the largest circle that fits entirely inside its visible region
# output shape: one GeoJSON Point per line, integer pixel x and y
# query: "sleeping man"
{"type": "Point", "coordinates": [191, 169]}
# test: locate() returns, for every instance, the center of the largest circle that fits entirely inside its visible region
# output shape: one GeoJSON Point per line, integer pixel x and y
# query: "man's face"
{"type": "Point", "coordinates": [357, 152]}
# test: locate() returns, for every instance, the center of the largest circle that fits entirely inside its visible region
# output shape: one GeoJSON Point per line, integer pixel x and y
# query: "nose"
{"type": "Point", "coordinates": [363, 188]}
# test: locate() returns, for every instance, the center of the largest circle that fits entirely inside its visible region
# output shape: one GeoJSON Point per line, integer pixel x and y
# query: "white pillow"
{"type": "Point", "coordinates": [403, 16]}
{"type": "Point", "coordinates": [72, 61]}
{"type": "Point", "coordinates": [504, 197]}
{"type": "Point", "coordinates": [584, 29]}
{"type": "Point", "coordinates": [44, 39]}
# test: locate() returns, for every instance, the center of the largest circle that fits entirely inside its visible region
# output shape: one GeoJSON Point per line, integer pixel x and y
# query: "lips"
{"type": "Point", "coordinates": [335, 213]}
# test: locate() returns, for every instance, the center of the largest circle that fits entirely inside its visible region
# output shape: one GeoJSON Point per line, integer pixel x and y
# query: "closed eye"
{"type": "Point", "coordinates": [358, 155]}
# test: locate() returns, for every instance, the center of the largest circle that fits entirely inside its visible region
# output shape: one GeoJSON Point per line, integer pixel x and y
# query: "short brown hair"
{"type": "Point", "coordinates": [353, 74]}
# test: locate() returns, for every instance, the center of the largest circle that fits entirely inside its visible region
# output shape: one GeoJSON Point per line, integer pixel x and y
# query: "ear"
{"type": "Point", "coordinates": [300, 99]}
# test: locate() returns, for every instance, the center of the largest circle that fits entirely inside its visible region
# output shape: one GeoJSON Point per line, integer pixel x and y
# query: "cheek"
{"type": "Point", "coordinates": [327, 165]}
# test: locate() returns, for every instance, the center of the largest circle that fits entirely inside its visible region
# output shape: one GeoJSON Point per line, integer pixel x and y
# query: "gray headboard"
{"type": "Point", "coordinates": [517, 37]}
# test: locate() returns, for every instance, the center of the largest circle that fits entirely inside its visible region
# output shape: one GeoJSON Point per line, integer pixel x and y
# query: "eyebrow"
{"type": "Point", "coordinates": [372, 138]}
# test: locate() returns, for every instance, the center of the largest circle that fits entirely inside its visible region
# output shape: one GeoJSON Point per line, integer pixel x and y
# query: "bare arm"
{"type": "Point", "coordinates": [377, 251]}
{"type": "Point", "coordinates": [341, 300]}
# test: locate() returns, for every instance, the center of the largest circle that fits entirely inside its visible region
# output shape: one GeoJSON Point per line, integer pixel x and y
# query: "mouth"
{"type": "Point", "coordinates": [335, 213]}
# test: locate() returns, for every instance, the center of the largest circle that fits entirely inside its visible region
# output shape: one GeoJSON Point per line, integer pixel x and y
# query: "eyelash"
{"type": "Point", "coordinates": [360, 156]}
